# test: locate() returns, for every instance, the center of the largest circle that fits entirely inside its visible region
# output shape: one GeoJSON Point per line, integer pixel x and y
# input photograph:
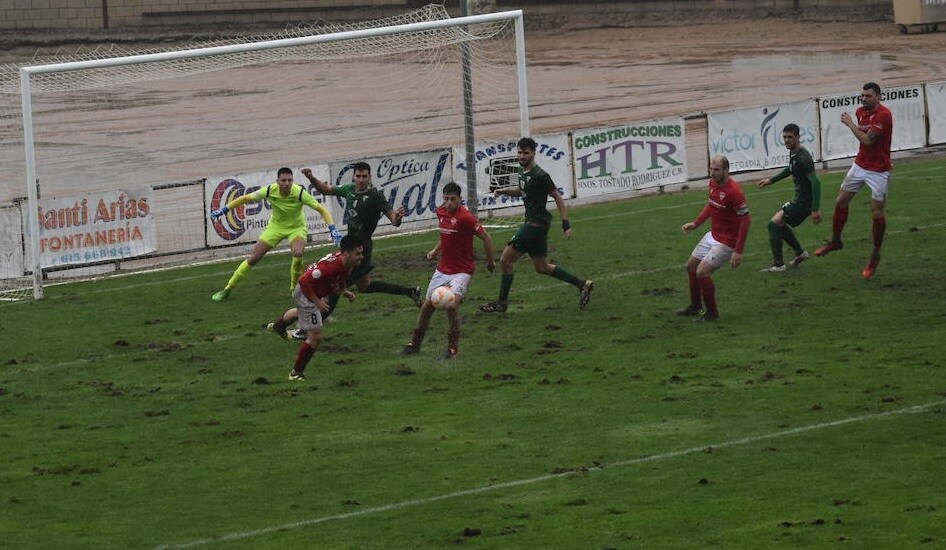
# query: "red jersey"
{"type": "Point", "coordinates": [876, 157]}
{"type": "Point", "coordinates": [727, 208]}
{"type": "Point", "coordinates": [456, 240]}
{"type": "Point", "coordinates": [325, 277]}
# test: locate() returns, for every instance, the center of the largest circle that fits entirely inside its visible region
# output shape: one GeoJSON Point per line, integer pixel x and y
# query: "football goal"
{"type": "Point", "coordinates": [107, 152]}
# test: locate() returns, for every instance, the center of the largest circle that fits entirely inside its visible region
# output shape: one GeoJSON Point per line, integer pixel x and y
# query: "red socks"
{"type": "Point", "coordinates": [879, 228]}
{"type": "Point", "coordinates": [695, 291]}
{"type": "Point", "coordinates": [708, 290]}
{"type": "Point", "coordinates": [302, 357]}
{"type": "Point", "coordinates": [838, 221]}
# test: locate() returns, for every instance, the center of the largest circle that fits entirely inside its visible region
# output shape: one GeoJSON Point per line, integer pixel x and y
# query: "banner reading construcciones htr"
{"type": "Point", "coordinates": [909, 126]}
{"type": "Point", "coordinates": [93, 227]}
{"type": "Point", "coordinates": [629, 157]}
{"type": "Point", "coordinates": [752, 138]}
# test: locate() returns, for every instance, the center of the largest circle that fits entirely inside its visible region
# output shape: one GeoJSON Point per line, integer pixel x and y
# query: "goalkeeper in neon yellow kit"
{"type": "Point", "coordinates": [287, 222]}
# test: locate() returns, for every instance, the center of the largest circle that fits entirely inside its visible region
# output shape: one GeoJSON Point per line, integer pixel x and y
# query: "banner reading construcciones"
{"type": "Point", "coordinates": [92, 227]}
{"type": "Point", "coordinates": [909, 126]}
{"type": "Point", "coordinates": [936, 105]}
{"type": "Point", "coordinates": [752, 138]}
{"type": "Point", "coordinates": [629, 157]}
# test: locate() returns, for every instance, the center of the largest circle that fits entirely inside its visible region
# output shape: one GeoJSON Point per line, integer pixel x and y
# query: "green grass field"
{"type": "Point", "coordinates": [136, 413]}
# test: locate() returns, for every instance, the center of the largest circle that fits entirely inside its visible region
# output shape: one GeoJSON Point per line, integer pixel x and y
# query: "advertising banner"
{"type": "Point", "coordinates": [909, 124]}
{"type": "Point", "coordinates": [497, 165]}
{"type": "Point", "coordinates": [936, 104]}
{"type": "Point", "coordinates": [11, 243]}
{"type": "Point", "coordinates": [412, 180]}
{"type": "Point", "coordinates": [752, 138]}
{"type": "Point", "coordinates": [107, 225]}
{"type": "Point", "coordinates": [246, 223]}
{"type": "Point", "coordinates": [629, 157]}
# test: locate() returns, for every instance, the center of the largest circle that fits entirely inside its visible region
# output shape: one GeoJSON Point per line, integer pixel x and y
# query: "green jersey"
{"type": "Point", "coordinates": [287, 210]}
{"type": "Point", "coordinates": [807, 185]}
{"type": "Point", "coordinates": [363, 210]}
{"type": "Point", "coordinates": [536, 187]}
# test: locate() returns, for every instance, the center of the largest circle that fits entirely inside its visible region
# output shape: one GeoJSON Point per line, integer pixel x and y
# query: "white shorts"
{"type": "Point", "coordinates": [310, 317]}
{"type": "Point", "coordinates": [458, 283]}
{"type": "Point", "coordinates": [877, 181]}
{"type": "Point", "coordinates": [711, 251]}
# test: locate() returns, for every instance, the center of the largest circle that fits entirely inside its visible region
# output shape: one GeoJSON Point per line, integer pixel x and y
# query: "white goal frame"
{"type": "Point", "coordinates": [34, 262]}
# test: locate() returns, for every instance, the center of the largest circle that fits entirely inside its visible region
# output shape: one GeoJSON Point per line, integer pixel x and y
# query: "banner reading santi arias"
{"type": "Point", "coordinates": [93, 227]}
{"type": "Point", "coordinates": [752, 138]}
{"type": "Point", "coordinates": [629, 157]}
{"type": "Point", "coordinates": [906, 103]}
{"type": "Point", "coordinates": [244, 224]}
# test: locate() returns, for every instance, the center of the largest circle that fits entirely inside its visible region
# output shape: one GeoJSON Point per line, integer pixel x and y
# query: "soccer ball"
{"type": "Point", "coordinates": [442, 297]}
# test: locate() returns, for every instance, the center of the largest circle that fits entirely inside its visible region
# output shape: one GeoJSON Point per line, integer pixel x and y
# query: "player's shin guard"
{"type": "Point", "coordinates": [775, 240]}
{"type": "Point", "coordinates": [505, 283]}
{"type": "Point", "coordinates": [695, 299]}
{"type": "Point", "coordinates": [791, 240]}
{"type": "Point", "coordinates": [563, 275]}
{"type": "Point", "coordinates": [838, 221]}
{"type": "Point", "coordinates": [302, 356]}
{"type": "Point", "coordinates": [878, 230]}
{"type": "Point", "coordinates": [239, 273]}
{"type": "Point", "coordinates": [708, 291]}
{"type": "Point", "coordinates": [388, 288]}
{"type": "Point", "coordinates": [295, 270]}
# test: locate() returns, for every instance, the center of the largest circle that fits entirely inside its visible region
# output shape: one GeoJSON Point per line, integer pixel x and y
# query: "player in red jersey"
{"type": "Point", "coordinates": [457, 227]}
{"type": "Point", "coordinates": [873, 129]}
{"type": "Point", "coordinates": [322, 279]}
{"type": "Point", "coordinates": [729, 224]}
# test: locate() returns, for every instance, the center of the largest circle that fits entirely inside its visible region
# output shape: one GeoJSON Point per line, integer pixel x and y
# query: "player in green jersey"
{"type": "Point", "coordinates": [364, 206]}
{"type": "Point", "coordinates": [287, 222]}
{"type": "Point", "coordinates": [535, 187]}
{"type": "Point", "coordinates": [807, 201]}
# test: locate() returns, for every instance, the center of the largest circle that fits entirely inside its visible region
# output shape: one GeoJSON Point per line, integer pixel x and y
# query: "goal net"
{"type": "Point", "coordinates": [129, 138]}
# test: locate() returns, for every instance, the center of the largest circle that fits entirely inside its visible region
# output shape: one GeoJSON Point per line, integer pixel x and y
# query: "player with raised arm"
{"type": "Point", "coordinates": [807, 200]}
{"type": "Point", "coordinates": [729, 218]}
{"type": "Point", "coordinates": [287, 222]}
{"type": "Point", "coordinates": [457, 227]}
{"type": "Point", "coordinates": [327, 277]}
{"type": "Point", "coordinates": [364, 206]}
{"type": "Point", "coordinates": [535, 186]}
{"type": "Point", "coordinates": [873, 129]}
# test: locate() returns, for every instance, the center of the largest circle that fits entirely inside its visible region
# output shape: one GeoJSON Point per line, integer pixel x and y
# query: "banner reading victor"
{"type": "Point", "coordinates": [752, 138]}
{"type": "Point", "coordinates": [629, 157]}
{"type": "Point", "coordinates": [110, 225]}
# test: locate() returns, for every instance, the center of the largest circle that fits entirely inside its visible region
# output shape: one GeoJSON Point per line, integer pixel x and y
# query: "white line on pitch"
{"type": "Point", "coordinates": [539, 479]}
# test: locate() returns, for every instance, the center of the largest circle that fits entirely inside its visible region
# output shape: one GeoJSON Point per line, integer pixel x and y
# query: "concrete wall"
{"type": "Point", "coordinates": [50, 15]}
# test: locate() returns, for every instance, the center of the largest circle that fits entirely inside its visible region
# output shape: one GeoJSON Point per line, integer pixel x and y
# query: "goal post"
{"type": "Point", "coordinates": [151, 89]}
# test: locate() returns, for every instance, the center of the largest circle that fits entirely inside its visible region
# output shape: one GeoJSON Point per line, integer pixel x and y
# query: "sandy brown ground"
{"type": "Point", "coordinates": [577, 79]}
